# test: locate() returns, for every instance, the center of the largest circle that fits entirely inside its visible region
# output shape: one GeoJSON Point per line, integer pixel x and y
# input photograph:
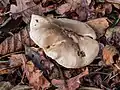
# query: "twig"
{"type": "Point", "coordinates": [10, 54]}
{"type": "Point", "coordinates": [98, 73]}
{"type": "Point", "coordinates": [10, 67]}
{"type": "Point", "coordinates": [117, 66]}
{"type": "Point", "coordinates": [3, 14]}
{"type": "Point", "coordinates": [114, 76]}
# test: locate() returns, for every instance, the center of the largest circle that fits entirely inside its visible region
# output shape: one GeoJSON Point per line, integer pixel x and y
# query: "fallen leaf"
{"type": "Point", "coordinates": [108, 54]}
{"type": "Point", "coordinates": [1, 18]}
{"type": "Point", "coordinates": [89, 1]}
{"type": "Point", "coordinates": [15, 43]}
{"type": "Point", "coordinates": [5, 85]}
{"type": "Point", "coordinates": [72, 83]}
{"type": "Point", "coordinates": [110, 31]}
{"type": "Point", "coordinates": [21, 87]}
{"type": "Point", "coordinates": [82, 13]}
{"type": "Point", "coordinates": [27, 7]}
{"type": "Point", "coordinates": [103, 9]}
{"type": "Point", "coordinates": [4, 2]}
{"type": "Point", "coordinates": [63, 8]}
{"type": "Point", "coordinates": [4, 71]}
{"type": "Point", "coordinates": [117, 6]}
{"type": "Point", "coordinates": [35, 77]}
{"type": "Point", "coordinates": [99, 25]}
{"type": "Point", "coordinates": [113, 36]}
{"type": "Point", "coordinates": [74, 3]}
{"type": "Point", "coordinates": [114, 1]}
{"type": "Point", "coordinates": [16, 59]}
{"type": "Point", "coordinates": [89, 88]}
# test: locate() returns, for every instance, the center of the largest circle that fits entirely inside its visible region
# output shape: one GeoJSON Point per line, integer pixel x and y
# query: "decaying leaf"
{"type": "Point", "coordinates": [16, 59]}
{"type": "Point", "coordinates": [15, 43]}
{"type": "Point", "coordinates": [109, 53]}
{"type": "Point", "coordinates": [72, 83]}
{"type": "Point", "coordinates": [59, 46]}
{"type": "Point", "coordinates": [4, 2]}
{"type": "Point", "coordinates": [78, 7]}
{"type": "Point", "coordinates": [114, 1]}
{"type": "Point", "coordinates": [103, 9]}
{"type": "Point", "coordinates": [64, 8]}
{"type": "Point", "coordinates": [89, 88]}
{"type": "Point", "coordinates": [99, 25]}
{"type": "Point", "coordinates": [111, 31]}
{"type": "Point", "coordinates": [35, 77]}
{"type": "Point", "coordinates": [21, 87]}
{"type": "Point", "coordinates": [25, 8]}
{"type": "Point", "coordinates": [1, 18]}
{"type": "Point", "coordinates": [28, 7]}
{"type": "Point", "coordinates": [113, 36]}
{"type": "Point", "coordinates": [88, 1]}
{"type": "Point", "coordinates": [74, 3]}
{"type": "Point", "coordinates": [117, 6]}
{"type": "Point", "coordinates": [5, 85]}
{"type": "Point", "coordinates": [4, 71]}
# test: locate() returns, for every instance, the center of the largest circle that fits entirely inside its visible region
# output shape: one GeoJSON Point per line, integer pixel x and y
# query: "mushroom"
{"type": "Point", "coordinates": [71, 52]}
{"type": "Point", "coordinates": [73, 25]}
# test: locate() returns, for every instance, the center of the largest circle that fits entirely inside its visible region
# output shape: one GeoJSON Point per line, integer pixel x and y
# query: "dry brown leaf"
{"type": "Point", "coordinates": [63, 8]}
{"type": "Point", "coordinates": [117, 6]}
{"type": "Point", "coordinates": [72, 83]}
{"type": "Point", "coordinates": [110, 31]}
{"type": "Point", "coordinates": [114, 1]}
{"type": "Point", "coordinates": [99, 25]}
{"type": "Point", "coordinates": [88, 1]}
{"type": "Point", "coordinates": [26, 8]}
{"type": "Point", "coordinates": [89, 88]}
{"type": "Point", "coordinates": [103, 9]}
{"type": "Point", "coordinates": [15, 43]}
{"type": "Point", "coordinates": [4, 71]}
{"type": "Point", "coordinates": [5, 85]}
{"type": "Point", "coordinates": [82, 13]}
{"type": "Point", "coordinates": [108, 53]}
{"type": "Point", "coordinates": [1, 18]}
{"type": "Point", "coordinates": [16, 59]}
{"type": "Point", "coordinates": [35, 77]}
{"type": "Point", "coordinates": [4, 2]}
{"type": "Point", "coordinates": [74, 3]}
{"type": "Point", "coordinates": [21, 87]}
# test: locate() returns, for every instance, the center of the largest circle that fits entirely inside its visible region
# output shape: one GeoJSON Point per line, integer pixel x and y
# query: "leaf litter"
{"type": "Point", "coordinates": [32, 69]}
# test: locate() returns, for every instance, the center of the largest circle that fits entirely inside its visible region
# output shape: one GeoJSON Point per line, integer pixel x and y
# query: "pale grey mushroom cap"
{"type": "Point", "coordinates": [63, 49]}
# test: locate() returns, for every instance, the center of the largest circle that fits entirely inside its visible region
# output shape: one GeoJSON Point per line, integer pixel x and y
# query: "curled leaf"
{"type": "Point", "coordinates": [99, 25]}
{"type": "Point", "coordinates": [15, 43]}
{"type": "Point", "coordinates": [109, 53]}
{"type": "Point", "coordinates": [5, 85]}
{"type": "Point", "coordinates": [35, 77]}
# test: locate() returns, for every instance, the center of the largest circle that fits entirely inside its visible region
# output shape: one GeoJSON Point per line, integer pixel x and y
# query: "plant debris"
{"type": "Point", "coordinates": [91, 29]}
